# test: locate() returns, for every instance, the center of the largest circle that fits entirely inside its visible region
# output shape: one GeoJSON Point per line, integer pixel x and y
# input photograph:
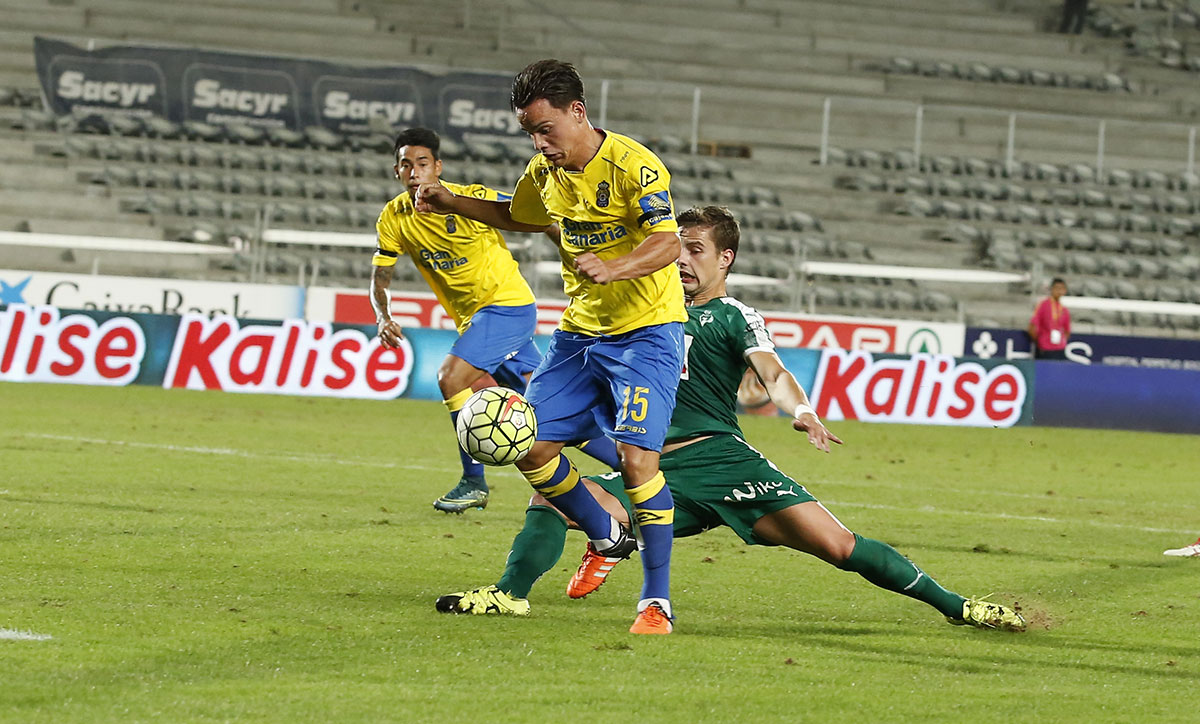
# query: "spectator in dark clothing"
{"type": "Point", "coordinates": [1074, 13]}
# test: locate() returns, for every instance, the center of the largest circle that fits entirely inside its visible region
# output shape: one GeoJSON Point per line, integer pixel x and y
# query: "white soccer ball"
{"type": "Point", "coordinates": [497, 426]}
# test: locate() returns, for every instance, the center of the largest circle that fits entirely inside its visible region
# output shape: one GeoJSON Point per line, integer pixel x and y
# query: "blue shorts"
{"type": "Point", "coordinates": [499, 341]}
{"type": "Point", "coordinates": [622, 386]}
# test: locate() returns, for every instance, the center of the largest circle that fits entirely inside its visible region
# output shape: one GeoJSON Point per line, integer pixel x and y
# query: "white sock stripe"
{"type": "Point", "coordinates": [920, 575]}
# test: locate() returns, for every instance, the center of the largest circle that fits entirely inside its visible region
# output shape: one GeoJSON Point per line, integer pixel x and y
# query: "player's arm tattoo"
{"type": "Point", "coordinates": [381, 298]}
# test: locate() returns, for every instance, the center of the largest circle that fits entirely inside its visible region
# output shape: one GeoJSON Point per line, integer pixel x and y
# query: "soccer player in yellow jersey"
{"type": "Point", "coordinates": [476, 279]}
{"type": "Point", "coordinates": [614, 363]}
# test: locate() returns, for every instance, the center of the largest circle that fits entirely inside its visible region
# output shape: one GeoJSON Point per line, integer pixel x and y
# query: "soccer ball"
{"type": "Point", "coordinates": [497, 426]}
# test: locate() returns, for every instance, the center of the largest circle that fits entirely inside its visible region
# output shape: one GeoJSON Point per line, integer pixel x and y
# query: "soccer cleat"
{"type": "Point", "coordinates": [651, 620]}
{"type": "Point", "coordinates": [487, 599]}
{"type": "Point", "coordinates": [1192, 551]}
{"type": "Point", "coordinates": [464, 496]}
{"type": "Point", "coordinates": [592, 573]}
{"type": "Point", "coordinates": [985, 614]}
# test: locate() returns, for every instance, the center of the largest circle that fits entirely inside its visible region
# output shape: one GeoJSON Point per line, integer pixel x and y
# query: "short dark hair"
{"type": "Point", "coordinates": [555, 80]}
{"type": "Point", "coordinates": [1058, 280]}
{"type": "Point", "coordinates": [418, 137]}
{"type": "Point", "coordinates": [725, 231]}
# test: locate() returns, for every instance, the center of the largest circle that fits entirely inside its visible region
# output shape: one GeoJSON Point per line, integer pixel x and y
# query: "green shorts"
{"type": "Point", "coordinates": [719, 481]}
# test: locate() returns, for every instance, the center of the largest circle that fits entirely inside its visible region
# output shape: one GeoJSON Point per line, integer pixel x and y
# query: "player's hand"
{"type": "Point", "coordinates": [434, 198]}
{"type": "Point", "coordinates": [817, 434]}
{"type": "Point", "coordinates": [390, 334]}
{"type": "Point", "coordinates": [592, 267]}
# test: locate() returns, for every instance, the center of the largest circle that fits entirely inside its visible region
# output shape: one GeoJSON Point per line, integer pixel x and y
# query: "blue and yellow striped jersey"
{"type": "Point", "coordinates": [465, 262]}
{"type": "Point", "coordinates": [620, 197]}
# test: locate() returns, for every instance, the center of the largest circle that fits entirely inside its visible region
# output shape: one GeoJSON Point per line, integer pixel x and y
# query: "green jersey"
{"type": "Point", "coordinates": [717, 338]}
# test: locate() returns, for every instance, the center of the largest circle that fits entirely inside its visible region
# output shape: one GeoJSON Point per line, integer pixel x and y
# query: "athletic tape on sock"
{"type": "Point", "coordinates": [457, 400]}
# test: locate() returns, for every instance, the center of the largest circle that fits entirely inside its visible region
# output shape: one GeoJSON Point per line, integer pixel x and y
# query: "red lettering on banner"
{"type": "Point", "coordinates": [338, 356]}
{"type": "Point", "coordinates": [72, 351]}
{"type": "Point", "coordinates": [41, 346]}
{"type": "Point", "coordinates": [855, 386]}
{"type": "Point", "coordinates": [289, 351]}
{"type": "Point", "coordinates": [197, 352]}
{"type": "Point", "coordinates": [1003, 388]}
{"type": "Point", "coordinates": [15, 326]}
{"type": "Point", "coordinates": [834, 384]}
{"type": "Point", "coordinates": [890, 376]}
{"type": "Point", "coordinates": [311, 363]}
{"type": "Point", "coordinates": [377, 363]}
{"type": "Point", "coordinates": [916, 387]}
{"type": "Point", "coordinates": [964, 395]}
{"type": "Point", "coordinates": [117, 343]}
{"type": "Point", "coordinates": [39, 340]}
{"type": "Point", "coordinates": [936, 393]}
{"type": "Point", "coordinates": [296, 358]}
{"type": "Point", "coordinates": [873, 339]}
{"type": "Point", "coordinates": [237, 373]}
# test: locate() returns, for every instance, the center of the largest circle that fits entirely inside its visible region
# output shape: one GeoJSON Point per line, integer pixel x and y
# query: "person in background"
{"type": "Point", "coordinates": [1073, 17]}
{"type": "Point", "coordinates": [1050, 326]}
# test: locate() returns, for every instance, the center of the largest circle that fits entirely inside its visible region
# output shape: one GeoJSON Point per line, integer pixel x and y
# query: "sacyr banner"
{"type": "Point", "coordinates": [188, 84]}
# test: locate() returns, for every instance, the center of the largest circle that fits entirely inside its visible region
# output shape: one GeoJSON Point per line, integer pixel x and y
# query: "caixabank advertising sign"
{"type": "Point", "coordinates": [198, 352]}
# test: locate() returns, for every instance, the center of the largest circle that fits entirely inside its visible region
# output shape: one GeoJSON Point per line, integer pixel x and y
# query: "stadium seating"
{"type": "Point", "coordinates": [960, 203]}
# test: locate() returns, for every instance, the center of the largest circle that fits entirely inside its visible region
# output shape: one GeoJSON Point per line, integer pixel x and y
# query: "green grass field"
{"type": "Point", "coordinates": [212, 557]}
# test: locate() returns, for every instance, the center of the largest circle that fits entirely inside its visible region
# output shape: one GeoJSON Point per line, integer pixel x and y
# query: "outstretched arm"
{"type": "Point", "coordinates": [381, 300]}
{"type": "Point", "coordinates": [787, 394]}
{"type": "Point", "coordinates": [655, 252]}
{"type": "Point", "coordinates": [436, 198]}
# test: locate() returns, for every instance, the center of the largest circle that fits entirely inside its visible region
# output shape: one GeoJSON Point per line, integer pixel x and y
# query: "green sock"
{"type": "Point", "coordinates": [535, 550]}
{"type": "Point", "coordinates": [884, 566]}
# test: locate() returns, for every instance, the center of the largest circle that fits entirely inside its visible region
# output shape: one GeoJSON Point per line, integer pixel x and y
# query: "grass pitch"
{"type": "Point", "coordinates": [214, 557]}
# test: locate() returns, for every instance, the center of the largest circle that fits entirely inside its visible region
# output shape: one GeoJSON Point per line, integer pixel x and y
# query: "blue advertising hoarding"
{"type": "Point", "coordinates": [1090, 349]}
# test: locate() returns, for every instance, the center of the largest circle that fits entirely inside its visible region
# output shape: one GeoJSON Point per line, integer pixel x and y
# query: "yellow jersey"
{"type": "Point", "coordinates": [465, 262]}
{"type": "Point", "coordinates": [617, 200]}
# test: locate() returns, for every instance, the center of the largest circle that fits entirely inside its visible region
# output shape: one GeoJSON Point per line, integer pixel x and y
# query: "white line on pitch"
{"type": "Point", "coordinates": [369, 463]}
{"type": "Point", "coordinates": [814, 484]}
{"type": "Point", "coordinates": [233, 452]}
{"type": "Point", "coordinates": [1010, 516]}
{"type": "Point", "coordinates": [8, 634]}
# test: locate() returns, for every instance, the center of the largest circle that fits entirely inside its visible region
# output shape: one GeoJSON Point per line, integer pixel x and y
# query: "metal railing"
{"type": "Point", "coordinates": [1147, 141]}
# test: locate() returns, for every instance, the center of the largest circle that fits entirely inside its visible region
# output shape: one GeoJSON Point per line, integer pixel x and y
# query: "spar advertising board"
{"type": "Point", "coordinates": [420, 309]}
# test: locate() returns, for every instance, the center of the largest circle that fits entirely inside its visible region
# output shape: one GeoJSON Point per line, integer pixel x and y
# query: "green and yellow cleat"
{"type": "Point", "coordinates": [487, 599]}
{"type": "Point", "coordinates": [985, 614]}
{"type": "Point", "coordinates": [462, 497]}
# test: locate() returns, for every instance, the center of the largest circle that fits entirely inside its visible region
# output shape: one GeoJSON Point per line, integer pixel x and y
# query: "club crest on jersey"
{"type": "Point", "coordinates": [602, 194]}
{"type": "Point", "coordinates": [451, 225]}
{"type": "Point", "coordinates": [705, 317]}
{"type": "Point", "coordinates": [647, 176]}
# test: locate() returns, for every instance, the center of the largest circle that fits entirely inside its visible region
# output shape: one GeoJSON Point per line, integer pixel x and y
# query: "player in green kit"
{"type": "Point", "coordinates": [715, 477]}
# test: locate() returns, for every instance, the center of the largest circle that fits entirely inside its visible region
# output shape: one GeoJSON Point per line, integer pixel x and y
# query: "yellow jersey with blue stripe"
{"type": "Point", "coordinates": [617, 200]}
{"type": "Point", "coordinates": [465, 262]}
